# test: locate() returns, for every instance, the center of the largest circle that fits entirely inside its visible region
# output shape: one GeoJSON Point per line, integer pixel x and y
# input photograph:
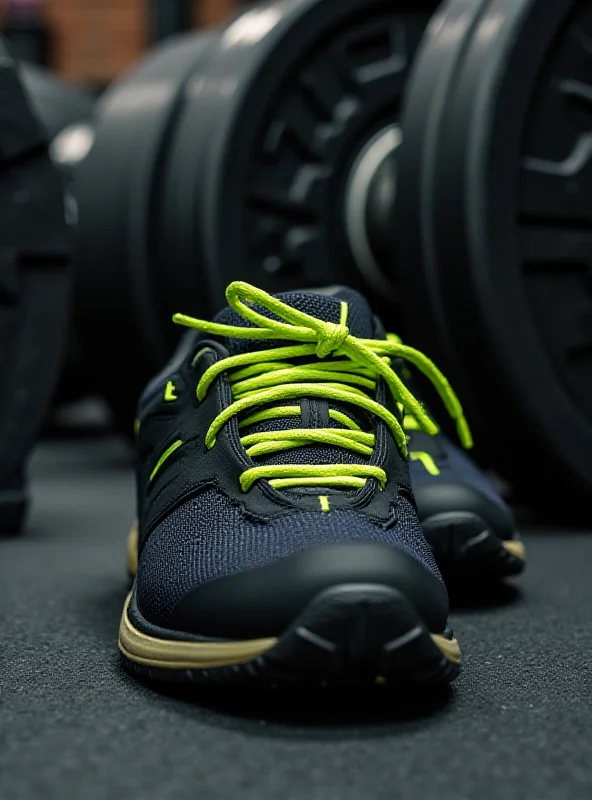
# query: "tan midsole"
{"type": "Point", "coordinates": [170, 654]}
{"type": "Point", "coordinates": [132, 550]}
{"type": "Point", "coordinates": [449, 647]}
{"type": "Point", "coordinates": [516, 547]}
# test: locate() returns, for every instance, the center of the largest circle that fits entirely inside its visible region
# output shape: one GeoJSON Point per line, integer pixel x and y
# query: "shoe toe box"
{"type": "Point", "coordinates": [209, 570]}
{"type": "Point", "coordinates": [265, 601]}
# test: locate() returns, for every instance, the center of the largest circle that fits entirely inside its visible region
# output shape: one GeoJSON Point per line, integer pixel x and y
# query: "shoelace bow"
{"type": "Point", "coordinates": [263, 378]}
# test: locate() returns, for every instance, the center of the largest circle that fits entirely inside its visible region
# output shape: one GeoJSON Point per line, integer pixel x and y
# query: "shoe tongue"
{"type": "Point", "coordinates": [325, 305]}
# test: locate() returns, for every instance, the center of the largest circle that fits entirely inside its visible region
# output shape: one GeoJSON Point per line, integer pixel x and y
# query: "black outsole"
{"type": "Point", "coordinates": [354, 634]}
{"type": "Point", "coordinates": [466, 549]}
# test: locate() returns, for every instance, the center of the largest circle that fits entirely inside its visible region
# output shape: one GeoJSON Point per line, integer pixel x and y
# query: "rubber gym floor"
{"type": "Point", "coordinates": [517, 723]}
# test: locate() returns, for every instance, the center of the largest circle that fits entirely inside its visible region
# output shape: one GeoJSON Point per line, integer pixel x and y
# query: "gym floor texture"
{"type": "Point", "coordinates": [516, 724]}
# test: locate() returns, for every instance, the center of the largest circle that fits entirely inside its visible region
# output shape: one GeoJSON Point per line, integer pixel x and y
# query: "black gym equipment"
{"type": "Point", "coordinates": [128, 278]}
{"type": "Point", "coordinates": [278, 149]}
{"type": "Point", "coordinates": [25, 27]}
{"type": "Point", "coordinates": [35, 283]}
{"type": "Point", "coordinates": [316, 89]}
{"type": "Point", "coordinates": [252, 151]}
{"type": "Point", "coordinates": [66, 113]}
{"type": "Point", "coordinates": [59, 105]}
{"type": "Point", "coordinates": [494, 219]}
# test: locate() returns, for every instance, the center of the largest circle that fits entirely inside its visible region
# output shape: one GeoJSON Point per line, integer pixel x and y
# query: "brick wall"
{"type": "Point", "coordinates": [211, 12]}
{"type": "Point", "coordinates": [94, 41]}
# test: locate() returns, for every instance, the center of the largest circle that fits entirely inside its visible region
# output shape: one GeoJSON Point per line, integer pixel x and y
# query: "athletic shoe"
{"type": "Point", "coordinates": [469, 527]}
{"type": "Point", "coordinates": [278, 539]}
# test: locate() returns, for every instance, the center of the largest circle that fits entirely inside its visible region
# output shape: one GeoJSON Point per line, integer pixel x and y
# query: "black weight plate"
{"type": "Point", "coordinates": [121, 309]}
{"type": "Point", "coordinates": [65, 112]}
{"type": "Point", "coordinates": [494, 215]}
{"type": "Point", "coordinates": [35, 283]}
{"type": "Point", "coordinates": [57, 104]}
{"type": "Point", "coordinates": [416, 261]}
{"type": "Point", "coordinates": [294, 91]}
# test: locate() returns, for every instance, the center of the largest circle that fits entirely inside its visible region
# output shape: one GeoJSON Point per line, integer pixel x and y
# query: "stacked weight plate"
{"type": "Point", "coordinates": [35, 282]}
{"type": "Point", "coordinates": [305, 144]}
{"type": "Point", "coordinates": [494, 219]}
{"type": "Point", "coordinates": [66, 113]}
{"type": "Point", "coordinates": [57, 104]}
{"type": "Point", "coordinates": [129, 282]}
{"type": "Point", "coordinates": [237, 153]}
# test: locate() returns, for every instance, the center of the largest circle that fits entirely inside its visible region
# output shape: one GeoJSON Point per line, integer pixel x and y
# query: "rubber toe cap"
{"type": "Point", "coordinates": [443, 498]}
{"type": "Point", "coordinates": [265, 601]}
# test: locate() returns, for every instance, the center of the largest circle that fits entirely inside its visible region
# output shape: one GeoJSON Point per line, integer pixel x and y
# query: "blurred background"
{"type": "Point", "coordinates": [72, 723]}
{"type": "Point", "coordinates": [91, 42]}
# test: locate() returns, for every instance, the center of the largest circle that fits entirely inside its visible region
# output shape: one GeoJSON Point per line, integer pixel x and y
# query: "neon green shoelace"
{"type": "Point", "coordinates": [409, 421]}
{"type": "Point", "coordinates": [342, 368]}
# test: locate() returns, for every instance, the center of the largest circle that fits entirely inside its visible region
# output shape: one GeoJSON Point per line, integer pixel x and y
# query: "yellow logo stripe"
{"type": "Point", "coordinates": [167, 454]}
{"type": "Point", "coordinates": [170, 392]}
{"type": "Point", "coordinates": [428, 462]}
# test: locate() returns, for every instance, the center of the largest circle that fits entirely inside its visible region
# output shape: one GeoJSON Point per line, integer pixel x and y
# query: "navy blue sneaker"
{"type": "Point", "coordinates": [277, 538]}
{"type": "Point", "coordinates": [469, 527]}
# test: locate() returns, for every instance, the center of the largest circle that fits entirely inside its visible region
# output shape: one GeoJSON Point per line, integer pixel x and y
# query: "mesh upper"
{"type": "Point", "coordinates": [208, 538]}
{"type": "Point", "coordinates": [454, 466]}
